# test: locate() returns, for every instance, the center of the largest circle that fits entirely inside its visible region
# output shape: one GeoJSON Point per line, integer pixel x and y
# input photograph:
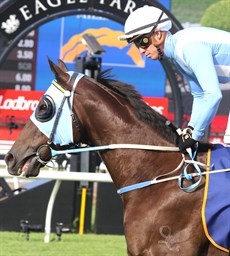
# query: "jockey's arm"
{"type": "Point", "coordinates": [204, 86]}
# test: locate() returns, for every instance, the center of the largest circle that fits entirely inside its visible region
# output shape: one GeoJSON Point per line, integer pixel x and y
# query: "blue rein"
{"type": "Point", "coordinates": [60, 137]}
{"type": "Point", "coordinates": [144, 184]}
{"type": "Point", "coordinates": [189, 176]}
{"type": "Point", "coordinates": [180, 179]}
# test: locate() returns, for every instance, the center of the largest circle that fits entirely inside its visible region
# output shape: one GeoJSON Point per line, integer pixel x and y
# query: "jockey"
{"type": "Point", "coordinates": [201, 54]}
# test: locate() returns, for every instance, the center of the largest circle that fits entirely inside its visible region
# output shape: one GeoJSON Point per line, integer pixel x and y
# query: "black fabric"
{"type": "Point", "coordinates": [184, 144]}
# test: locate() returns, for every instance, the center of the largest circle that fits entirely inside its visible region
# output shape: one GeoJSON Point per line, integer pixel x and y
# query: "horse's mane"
{"type": "Point", "coordinates": [143, 112]}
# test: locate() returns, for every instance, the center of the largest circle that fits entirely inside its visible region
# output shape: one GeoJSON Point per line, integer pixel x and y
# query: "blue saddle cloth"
{"type": "Point", "coordinates": [216, 204]}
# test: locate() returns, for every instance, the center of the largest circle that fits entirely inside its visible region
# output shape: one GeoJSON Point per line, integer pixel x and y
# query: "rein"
{"type": "Point", "coordinates": [158, 179]}
{"type": "Point", "coordinates": [112, 146]}
{"type": "Point", "coordinates": [74, 78]}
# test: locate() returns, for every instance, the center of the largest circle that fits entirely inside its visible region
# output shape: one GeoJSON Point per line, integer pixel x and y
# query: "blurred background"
{"type": "Point", "coordinates": [27, 37]}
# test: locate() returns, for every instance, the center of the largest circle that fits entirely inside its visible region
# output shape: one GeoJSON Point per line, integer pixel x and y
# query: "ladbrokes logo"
{"type": "Point", "coordinates": [18, 104]}
{"type": "Point", "coordinates": [106, 37]}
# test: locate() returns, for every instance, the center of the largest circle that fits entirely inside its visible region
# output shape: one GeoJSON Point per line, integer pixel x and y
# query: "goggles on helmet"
{"type": "Point", "coordinates": [144, 41]}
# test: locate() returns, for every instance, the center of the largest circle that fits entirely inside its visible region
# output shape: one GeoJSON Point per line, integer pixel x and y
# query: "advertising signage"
{"type": "Point", "coordinates": [18, 103]}
{"type": "Point", "coordinates": [19, 69]}
{"type": "Point", "coordinates": [25, 13]}
{"type": "Point", "coordinates": [26, 67]}
{"type": "Point", "coordinates": [16, 108]}
{"type": "Point", "coordinates": [61, 38]}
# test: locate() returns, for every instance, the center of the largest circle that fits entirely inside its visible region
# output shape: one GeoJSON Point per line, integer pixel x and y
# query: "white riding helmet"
{"type": "Point", "coordinates": [142, 20]}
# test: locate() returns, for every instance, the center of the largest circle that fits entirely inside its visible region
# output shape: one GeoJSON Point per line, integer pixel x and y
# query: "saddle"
{"type": "Point", "coordinates": [216, 202]}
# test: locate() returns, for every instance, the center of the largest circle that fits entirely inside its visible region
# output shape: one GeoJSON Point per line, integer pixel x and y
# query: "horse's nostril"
{"type": "Point", "coordinates": [9, 159]}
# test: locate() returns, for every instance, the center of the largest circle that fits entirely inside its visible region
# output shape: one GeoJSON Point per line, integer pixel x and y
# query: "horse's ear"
{"type": "Point", "coordinates": [60, 75]}
{"type": "Point", "coordinates": [62, 65]}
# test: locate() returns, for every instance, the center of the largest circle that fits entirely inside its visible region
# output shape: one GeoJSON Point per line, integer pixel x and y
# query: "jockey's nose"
{"type": "Point", "coordinates": [141, 50]}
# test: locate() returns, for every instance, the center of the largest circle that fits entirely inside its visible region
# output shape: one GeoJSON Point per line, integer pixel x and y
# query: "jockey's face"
{"type": "Point", "coordinates": [151, 51]}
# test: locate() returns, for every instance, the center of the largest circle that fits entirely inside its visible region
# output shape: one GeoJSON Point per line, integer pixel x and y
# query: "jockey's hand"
{"type": "Point", "coordinates": [185, 140]}
{"type": "Point", "coordinates": [188, 143]}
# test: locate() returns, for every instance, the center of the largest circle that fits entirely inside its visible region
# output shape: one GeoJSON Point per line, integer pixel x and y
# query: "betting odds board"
{"type": "Point", "coordinates": [19, 69]}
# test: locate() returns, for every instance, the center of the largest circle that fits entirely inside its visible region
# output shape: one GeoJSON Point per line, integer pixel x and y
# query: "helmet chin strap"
{"type": "Point", "coordinates": [159, 41]}
{"type": "Point", "coordinates": [160, 53]}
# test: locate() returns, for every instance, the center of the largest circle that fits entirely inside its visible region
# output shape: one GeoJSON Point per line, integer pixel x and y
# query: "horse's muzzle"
{"type": "Point", "coordinates": [28, 167]}
{"type": "Point", "coordinates": [10, 162]}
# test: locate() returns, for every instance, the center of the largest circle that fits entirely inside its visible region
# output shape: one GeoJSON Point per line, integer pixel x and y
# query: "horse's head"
{"type": "Point", "coordinates": [49, 126]}
{"type": "Point", "coordinates": [105, 111]}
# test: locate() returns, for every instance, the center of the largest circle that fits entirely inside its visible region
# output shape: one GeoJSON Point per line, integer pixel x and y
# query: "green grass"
{"type": "Point", "coordinates": [190, 10]}
{"type": "Point", "coordinates": [15, 244]}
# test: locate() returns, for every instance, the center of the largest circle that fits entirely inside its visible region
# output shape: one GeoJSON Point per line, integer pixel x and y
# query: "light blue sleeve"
{"type": "Point", "coordinates": [204, 86]}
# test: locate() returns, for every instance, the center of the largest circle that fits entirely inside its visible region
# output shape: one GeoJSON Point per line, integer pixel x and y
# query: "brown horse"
{"type": "Point", "coordinates": [160, 219]}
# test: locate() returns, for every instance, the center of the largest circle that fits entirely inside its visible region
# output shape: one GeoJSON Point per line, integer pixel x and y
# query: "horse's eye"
{"type": "Point", "coordinates": [43, 106]}
{"type": "Point", "coordinates": [45, 109]}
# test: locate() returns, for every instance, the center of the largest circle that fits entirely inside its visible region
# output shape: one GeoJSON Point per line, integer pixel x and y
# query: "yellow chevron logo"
{"type": "Point", "coordinates": [105, 36]}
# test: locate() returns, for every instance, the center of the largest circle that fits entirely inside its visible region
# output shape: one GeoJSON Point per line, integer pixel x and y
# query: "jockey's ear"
{"type": "Point", "coordinates": [60, 75]}
{"type": "Point", "coordinates": [158, 37]}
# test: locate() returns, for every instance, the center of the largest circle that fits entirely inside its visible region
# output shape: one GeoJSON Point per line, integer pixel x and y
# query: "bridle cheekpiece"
{"type": "Point", "coordinates": [55, 120]}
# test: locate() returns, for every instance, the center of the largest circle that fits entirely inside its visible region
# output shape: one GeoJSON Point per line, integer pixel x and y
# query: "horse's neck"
{"type": "Point", "coordinates": [111, 121]}
{"type": "Point", "coordinates": [118, 125]}
{"type": "Point", "coordinates": [109, 118]}
{"type": "Point", "coordinates": [129, 166]}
